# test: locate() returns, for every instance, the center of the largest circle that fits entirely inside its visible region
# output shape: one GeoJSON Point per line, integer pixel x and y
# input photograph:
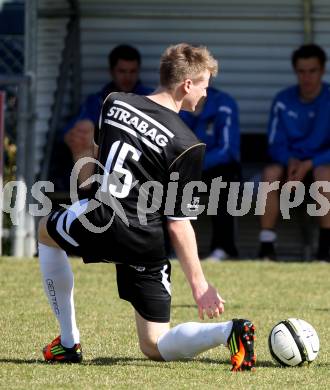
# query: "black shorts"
{"type": "Point", "coordinates": [148, 288]}
{"type": "Point", "coordinates": [112, 242]}
{"type": "Point", "coordinates": [60, 225]}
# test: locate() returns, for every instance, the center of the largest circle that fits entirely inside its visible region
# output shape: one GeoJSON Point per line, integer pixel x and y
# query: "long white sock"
{"type": "Point", "coordinates": [191, 338]}
{"type": "Point", "coordinates": [58, 283]}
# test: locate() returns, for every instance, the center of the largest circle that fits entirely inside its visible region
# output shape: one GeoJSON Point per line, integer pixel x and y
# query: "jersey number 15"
{"type": "Point", "coordinates": [123, 190]}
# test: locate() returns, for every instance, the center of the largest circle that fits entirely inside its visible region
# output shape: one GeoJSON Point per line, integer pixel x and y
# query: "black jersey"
{"type": "Point", "coordinates": [147, 156]}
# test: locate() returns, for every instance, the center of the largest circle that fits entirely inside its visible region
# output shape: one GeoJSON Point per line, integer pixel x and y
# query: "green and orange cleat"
{"type": "Point", "coordinates": [241, 345]}
{"type": "Point", "coordinates": [56, 352]}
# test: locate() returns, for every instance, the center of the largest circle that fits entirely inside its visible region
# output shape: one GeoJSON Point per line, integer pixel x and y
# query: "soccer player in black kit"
{"type": "Point", "coordinates": [145, 160]}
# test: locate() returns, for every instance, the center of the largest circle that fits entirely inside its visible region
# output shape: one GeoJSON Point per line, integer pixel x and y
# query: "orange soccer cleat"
{"type": "Point", "coordinates": [56, 352]}
{"type": "Point", "coordinates": [241, 345]}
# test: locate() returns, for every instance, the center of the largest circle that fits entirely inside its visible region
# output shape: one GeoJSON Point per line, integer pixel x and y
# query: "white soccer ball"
{"type": "Point", "coordinates": [293, 341]}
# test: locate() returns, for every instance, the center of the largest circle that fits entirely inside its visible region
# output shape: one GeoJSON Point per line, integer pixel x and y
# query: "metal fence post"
{"type": "Point", "coordinates": [24, 151]}
{"type": "Point", "coordinates": [22, 117]}
{"type": "Point", "coordinates": [2, 130]}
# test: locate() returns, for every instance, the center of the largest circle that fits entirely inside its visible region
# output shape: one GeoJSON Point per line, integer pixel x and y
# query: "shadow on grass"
{"type": "Point", "coordinates": [127, 361]}
{"type": "Point", "coordinates": [185, 306]}
{"type": "Point", "coordinates": [266, 363]}
{"type": "Point", "coordinates": [23, 361]}
{"type": "Point", "coordinates": [108, 361]}
{"type": "Point", "coordinates": [102, 361]}
{"type": "Point", "coordinates": [269, 363]}
{"type": "Point", "coordinates": [111, 361]}
{"type": "Point", "coordinates": [322, 364]}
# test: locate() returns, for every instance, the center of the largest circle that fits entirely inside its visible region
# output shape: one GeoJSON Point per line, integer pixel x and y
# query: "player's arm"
{"type": "Point", "coordinates": [183, 239]}
{"type": "Point", "coordinates": [85, 165]}
{"type": "Point", "coordinates": [227, 133]}
{"type": "Point", "coordinates": [90, 152]}
{"type": "Point", "coordinates": [278, 145]}
{"type": "Point", "coordinates": [79, 131]}
{"type": "Point", "coordinates": [189, 166]}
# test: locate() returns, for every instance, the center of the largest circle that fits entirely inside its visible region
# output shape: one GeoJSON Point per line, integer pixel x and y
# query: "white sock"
{"type": "Point", "coordinates": [58, 283]}
{"type": "Point", "coordinates": [267, 235]}
{"type": "Point", "coordinates": [191, 338]}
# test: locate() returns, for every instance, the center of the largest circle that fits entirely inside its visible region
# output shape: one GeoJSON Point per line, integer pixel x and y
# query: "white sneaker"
{"type": "Point", "coordinates": [218, 255]}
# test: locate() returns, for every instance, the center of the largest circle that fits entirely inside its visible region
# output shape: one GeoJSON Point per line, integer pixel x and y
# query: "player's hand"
{"type": "Point", "coordinates": [292, 168]}
{"type": "Point", "coordinates": [298, 169]}
{"type": "Point", "coordinates": [302, 169]}
{"type": "Point", "coordinates": [80, 138]}
{"type": "Point", "coordinates": [208, 300]}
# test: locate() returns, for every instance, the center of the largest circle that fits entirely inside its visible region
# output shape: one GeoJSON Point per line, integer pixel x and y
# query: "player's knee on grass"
{"type": "Point", "coordinates": [150, 350]}
{"type": "Point", "coordinates": [148, 333]}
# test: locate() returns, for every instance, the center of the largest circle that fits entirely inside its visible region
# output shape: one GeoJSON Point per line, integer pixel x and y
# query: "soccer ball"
{"type": "Point", "coordinates": [293, 341]}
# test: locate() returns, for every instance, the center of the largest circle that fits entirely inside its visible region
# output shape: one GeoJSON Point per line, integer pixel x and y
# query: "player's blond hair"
{"type": "Point", "coordinates": [184, 61]}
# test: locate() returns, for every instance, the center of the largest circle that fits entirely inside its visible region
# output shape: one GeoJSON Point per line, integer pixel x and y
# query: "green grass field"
{"type": "Point", "coordinates": [265, 292]}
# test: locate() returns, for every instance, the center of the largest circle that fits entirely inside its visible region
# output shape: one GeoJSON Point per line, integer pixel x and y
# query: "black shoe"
{"type": "Point", "coordinates": [232, 252]}
{"type": "Point", "coordinates": [267, 251]}
{"type": "Point", "coordinates": [323, 256]}
{"type": "Point", "coordinates": [241, 345]}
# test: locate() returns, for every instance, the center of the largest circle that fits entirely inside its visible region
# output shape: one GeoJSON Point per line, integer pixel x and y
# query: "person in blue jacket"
{"type": "Point", "coordinates": [124, 68]}
{"type": "Point", "coordinates": [299, 141]}
{"type": "Point", "coordinates": [216, 123]}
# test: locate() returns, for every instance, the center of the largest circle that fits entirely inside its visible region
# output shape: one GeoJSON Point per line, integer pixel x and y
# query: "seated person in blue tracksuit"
{"type": "Point", "coordinates": [124, 67]}
{"type": "Point", "coordinates": [299, 141]}
{"type": "Point", "coordinates": [216, 123]}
